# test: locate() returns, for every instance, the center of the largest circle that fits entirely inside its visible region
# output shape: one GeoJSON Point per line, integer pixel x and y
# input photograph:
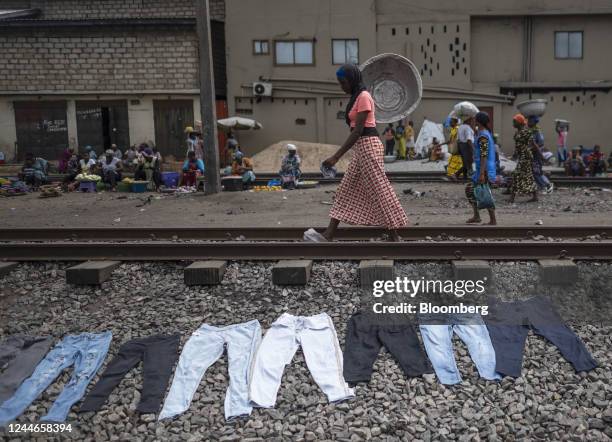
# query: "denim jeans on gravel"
{"type": "Point", "coordinates": [438, 341]}
{"type": "Point", "coordinates": [85, 351]}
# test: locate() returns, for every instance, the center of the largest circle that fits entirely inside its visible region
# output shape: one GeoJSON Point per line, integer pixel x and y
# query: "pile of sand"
{"type": "Point", "coordinates": [311, 154]}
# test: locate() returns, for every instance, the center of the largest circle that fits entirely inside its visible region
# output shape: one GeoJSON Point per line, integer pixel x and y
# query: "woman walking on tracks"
{"type": "Point", "coordinates": [364, 196]}
{"type": "Point", "coordinates": [523, 181]}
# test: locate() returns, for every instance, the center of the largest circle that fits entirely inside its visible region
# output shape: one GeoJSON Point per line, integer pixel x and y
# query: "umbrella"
{"type": "Point", "coordinates": [239, 123]}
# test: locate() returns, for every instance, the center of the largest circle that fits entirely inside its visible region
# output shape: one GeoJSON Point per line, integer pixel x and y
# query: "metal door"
{"type": "Point", "coordinates": [171, 118]}
{"type": "Point", "coordinates": [42, 128]}
{"type": "Point", "coordinates": [102, 123]}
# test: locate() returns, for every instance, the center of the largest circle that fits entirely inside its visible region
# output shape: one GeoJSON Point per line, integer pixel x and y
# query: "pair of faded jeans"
{"type": "Point", "coordinates": [19, 356]}
{"type": "Point", "coordinates": [85, 351]}
{"type": "Point", "coordinates": [317, 337]}
{"type": "Point", "coordinates": [204, 348]}
{"type": "Point", "coordinates": [437, 333]}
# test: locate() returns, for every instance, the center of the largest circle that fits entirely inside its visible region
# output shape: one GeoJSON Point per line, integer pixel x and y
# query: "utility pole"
{"type": "Point", "coordinates": [207, 99]}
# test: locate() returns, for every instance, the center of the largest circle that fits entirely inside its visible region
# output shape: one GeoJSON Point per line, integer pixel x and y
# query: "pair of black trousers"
{"type": "Point", "coordinates": [19, 356]}
{"type": "Point", "coordinates": [365, 337]}
{"type": "Point", "coordinates": [467, 157]}
{"type": "Point", "coordinates": [510, 322]}
{"type": "Point", "coordinates": [158, 355]}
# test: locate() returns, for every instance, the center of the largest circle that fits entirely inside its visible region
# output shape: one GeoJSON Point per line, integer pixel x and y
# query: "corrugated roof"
{"type": "Point", "coordinates": [8, 14]}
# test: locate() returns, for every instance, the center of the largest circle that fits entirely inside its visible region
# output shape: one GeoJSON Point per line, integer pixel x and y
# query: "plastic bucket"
{"type": "Point", "coordinates": [139, 186]}
{"type": "Point", "coordinates": [170, 179]}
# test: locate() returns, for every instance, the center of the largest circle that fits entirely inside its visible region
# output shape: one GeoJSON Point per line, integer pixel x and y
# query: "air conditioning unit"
{"type": "Point", "coordinates": [262, 89]}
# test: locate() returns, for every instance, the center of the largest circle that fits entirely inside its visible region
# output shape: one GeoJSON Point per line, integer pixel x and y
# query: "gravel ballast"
{"type": "Point", "coordinates": [549, 402]}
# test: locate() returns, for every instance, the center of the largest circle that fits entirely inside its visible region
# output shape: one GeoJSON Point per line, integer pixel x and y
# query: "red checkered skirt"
{"type": "Point", "coordinates": [365, 195]}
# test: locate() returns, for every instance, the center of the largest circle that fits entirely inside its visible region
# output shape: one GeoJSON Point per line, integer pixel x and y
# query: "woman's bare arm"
{"type": "Point", "coordinates": [350, 141]}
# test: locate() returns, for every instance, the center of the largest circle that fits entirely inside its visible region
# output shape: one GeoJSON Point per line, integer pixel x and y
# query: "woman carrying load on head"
{"type": "Point", "coordinates": [364, 196]}
{"type": "Point", "coordinates": [523, 182]}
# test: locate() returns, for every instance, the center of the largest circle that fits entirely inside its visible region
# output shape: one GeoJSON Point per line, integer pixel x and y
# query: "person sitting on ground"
{"type": "Point", "coordinates": [92, 153]}
{"type": "Point", "coordinates": [435, 150]}
{"type": "Point", "coordinates": [148, 170]}
{"type": "Point", "coordinates": [290, 168]}
{"type": "Point", "coordinates": [597, 162]}
{"type": "Point", "coordinates": [574, 166]}
{"type": "Point", "coordinates": [243, 166]}
{"type": "Point", "coordinates": [118, 153]}
{"type": "Point", "coordinates": [129, 157]}
{"type": "Point", "coordinates": [73, 168]}
{"type": "Point", "coordinates": [62, 165]}
{"type": "Point", "coordinates": [192, 140]}
{"type": "Point", "coordinates": [87, 165]}
{"type": "Point", "coordinates": [193, 167]}
{"type": "Point", "coordinates": [34, 171]}
{"type": "Point", "coordinates": [111, 169]}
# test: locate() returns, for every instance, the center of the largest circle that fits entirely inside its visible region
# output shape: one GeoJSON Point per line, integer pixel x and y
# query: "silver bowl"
{"type": "Point", "coordinates": [395, 85]}
{"type": "Point", "coordinates": [532, 108]}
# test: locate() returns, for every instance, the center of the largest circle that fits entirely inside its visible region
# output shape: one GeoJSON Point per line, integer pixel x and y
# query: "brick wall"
{"type": "Point", "coordinates": [109, 59]}
{"type": "Point", "coordinates": [99, 9]}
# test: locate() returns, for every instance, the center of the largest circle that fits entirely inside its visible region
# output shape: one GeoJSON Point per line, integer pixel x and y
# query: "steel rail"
{"type": "Point", "coordinates": [434, 178]}
{"type": "Point", "coordinates": [294, 233]}
{"type": "Point", "coordinates": [269, 251]}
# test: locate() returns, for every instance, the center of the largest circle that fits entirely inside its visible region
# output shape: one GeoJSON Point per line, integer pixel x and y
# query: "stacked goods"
{"type": "Point", "coordinates": [88, 177]}
{"type": "Point", "coordinates": [49, 191]}
{"type": "Point", "coordinates": [267, 188]}
{"type": "Point", "coordinates": [463, 110]}
{"type": "Point", "coordinates": [13, 188]}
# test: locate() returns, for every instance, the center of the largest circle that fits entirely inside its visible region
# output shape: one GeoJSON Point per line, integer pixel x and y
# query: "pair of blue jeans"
{"type": "Point", "coordinates": [437, 333]}
{"type": "Point", "coordinates": [205, 346]}
{"type": "Point", "coordinates": [85, 351]}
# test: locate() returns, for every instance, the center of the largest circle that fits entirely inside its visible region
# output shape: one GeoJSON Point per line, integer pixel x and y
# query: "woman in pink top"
{"type": "Point", "coordinates": [364, 196]}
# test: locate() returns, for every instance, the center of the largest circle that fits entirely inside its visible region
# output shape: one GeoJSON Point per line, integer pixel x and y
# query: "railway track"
{"type": "Point", "coordinates": [424, 243]}
{"type": "Point", "coordinates": [439, 177]}
{"type": "Point", "coordinates": [269, 251]}
{"type": "Point", "coordinates": [119, 234]}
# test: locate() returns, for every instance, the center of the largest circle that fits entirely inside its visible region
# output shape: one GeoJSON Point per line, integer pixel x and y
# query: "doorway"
{"type": "Point", "coordinates": [101, 124]}
{"type": "Point", "coordinates": [171, 119]}
{"type": "Point", "coordinates": [42, 128]}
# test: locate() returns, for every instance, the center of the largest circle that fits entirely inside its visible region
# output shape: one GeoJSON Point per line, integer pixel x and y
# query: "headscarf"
{"type": "Point", "coordinates": [352, 74]}
{"type": "Point", "coordinates": [483, 119]}
{"type": "Point", "coordinates": [520, 119]}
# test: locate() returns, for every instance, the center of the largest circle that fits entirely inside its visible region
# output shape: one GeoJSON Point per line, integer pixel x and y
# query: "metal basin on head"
{"type": "Point", "coordinates": [395, 85]}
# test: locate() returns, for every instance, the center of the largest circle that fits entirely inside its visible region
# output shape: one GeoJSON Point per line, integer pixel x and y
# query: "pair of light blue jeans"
{"type": "Point", "coordinates": [85, 351]}
{"type": "Point", "coordinates": [437, 332]}
{"type": "Point", "coordinates": [204, 348]}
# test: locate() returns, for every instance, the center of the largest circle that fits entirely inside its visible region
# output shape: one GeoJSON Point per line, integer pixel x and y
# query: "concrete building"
{"type": "Point", "coordinates": [126, 71]}
{"type": "Point", "coordinates": [85, 72]}
{"type": "Point", "coordinates": [493, 55]}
